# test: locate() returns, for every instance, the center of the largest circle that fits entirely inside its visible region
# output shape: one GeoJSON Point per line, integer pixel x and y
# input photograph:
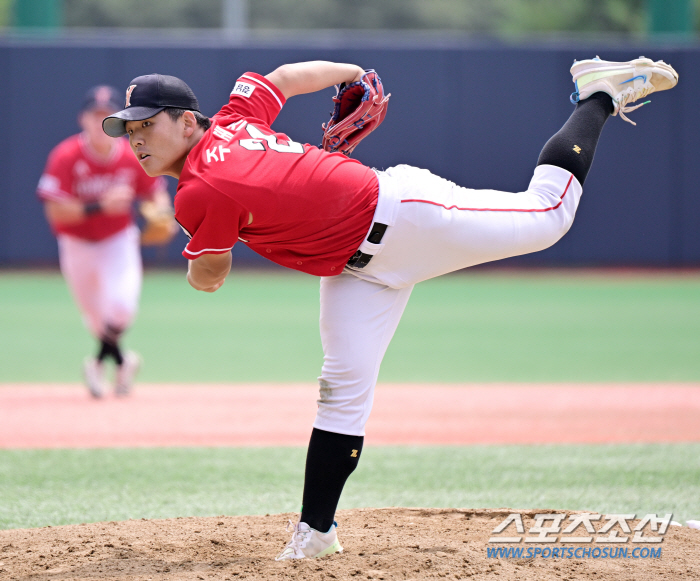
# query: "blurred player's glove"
{"type": "Point", "coordinates": [160, 224]}
{"type": "Point", "coordinates": [359, 109]}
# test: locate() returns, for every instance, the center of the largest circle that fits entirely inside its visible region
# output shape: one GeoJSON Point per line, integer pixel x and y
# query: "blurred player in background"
{"type": "Point", "coordinates": [88, 189]}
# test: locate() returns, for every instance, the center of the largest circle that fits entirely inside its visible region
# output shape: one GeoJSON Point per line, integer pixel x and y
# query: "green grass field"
{"type": "Point", "coordinates": [40, 488]}
{"type": "Point", "coordinates": [462, 328]}
{"type": "Point", "coordinates": [541, 327]}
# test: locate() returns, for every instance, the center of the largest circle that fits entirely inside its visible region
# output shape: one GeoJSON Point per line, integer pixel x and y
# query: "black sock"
{"type": "Point", "coordinates": [108, 348]}
{"type": "Point", "coordinates": [573, 147]}
{"type": "Point", "coordinates": [329, 462]}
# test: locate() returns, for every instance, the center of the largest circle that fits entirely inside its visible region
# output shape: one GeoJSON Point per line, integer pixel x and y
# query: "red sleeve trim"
{"type": "Point", "coordinates": [267, 84]}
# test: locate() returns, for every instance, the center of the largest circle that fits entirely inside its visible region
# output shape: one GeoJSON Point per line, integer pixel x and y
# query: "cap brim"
{"type": "Point", "coordinates": [115, 125]}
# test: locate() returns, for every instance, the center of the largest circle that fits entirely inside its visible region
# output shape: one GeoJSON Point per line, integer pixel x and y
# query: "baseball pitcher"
{"type": "Point", "coordinates": [369, 235]}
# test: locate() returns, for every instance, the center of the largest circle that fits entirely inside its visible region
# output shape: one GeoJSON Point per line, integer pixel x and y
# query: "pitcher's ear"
{"type": "Point", "coordinates": [190, 122]}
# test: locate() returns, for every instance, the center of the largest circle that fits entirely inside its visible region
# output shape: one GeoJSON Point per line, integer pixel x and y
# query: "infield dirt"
{"type": "Point", "coordinates": [65, 416]}
{"type": "Point", "coordinates": [391, 543]}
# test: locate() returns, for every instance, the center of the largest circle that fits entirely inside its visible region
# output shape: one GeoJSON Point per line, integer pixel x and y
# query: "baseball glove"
{"type": "Point", "coordinates": [359, 109]}
{"type": "Point", "coordinates": [160, 224]}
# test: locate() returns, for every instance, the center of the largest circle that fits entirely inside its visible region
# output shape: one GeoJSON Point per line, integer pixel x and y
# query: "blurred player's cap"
{"type": "Point", "coordinates": [103, 98]}
{"type": "Point", "coordinates": [147, 96]}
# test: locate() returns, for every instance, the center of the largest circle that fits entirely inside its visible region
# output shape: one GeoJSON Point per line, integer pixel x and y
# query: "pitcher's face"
{"type": "Point", "coordinates": [159, 143]}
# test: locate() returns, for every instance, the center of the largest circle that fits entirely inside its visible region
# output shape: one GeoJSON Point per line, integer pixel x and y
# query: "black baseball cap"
{"type": "Point", "coordinates": [102, 97]}
{"type": "Point", "coordinates": [147, 96]}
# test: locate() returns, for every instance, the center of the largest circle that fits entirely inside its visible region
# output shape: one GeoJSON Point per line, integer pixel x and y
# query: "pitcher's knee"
{"type": "Point", "coordinates": [344, 407]}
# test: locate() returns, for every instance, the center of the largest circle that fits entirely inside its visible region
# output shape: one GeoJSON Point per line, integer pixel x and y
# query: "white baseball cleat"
{"type": "Point", "coordinates": [94, 374]}
{"type": "Point", "coordinates": [126, 373]}
{"type": "Point", "coordinates": [308, 543]}
{"type": "Point", "coordinates": [624, 82]}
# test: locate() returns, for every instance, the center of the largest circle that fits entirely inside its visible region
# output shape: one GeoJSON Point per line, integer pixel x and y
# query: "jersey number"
{"type": "Point", "coordinates": [258, 137]}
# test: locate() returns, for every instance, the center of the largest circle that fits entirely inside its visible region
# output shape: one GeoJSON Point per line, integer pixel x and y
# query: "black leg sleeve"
{"type": "Point", "coordinates": [109, 346]}
{"type": "Point", "coordinates": [572, 148]}
{"type": "Point", "coordinates": [329, 462]}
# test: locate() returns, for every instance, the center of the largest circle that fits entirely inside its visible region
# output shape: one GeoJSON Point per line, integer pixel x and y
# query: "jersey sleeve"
{"type": "Point", "coordinates": [56, 183]}
{"type": "Point", "coordinates": [210, 220]}
{"type": "Point", "coordinates": [253, 96]}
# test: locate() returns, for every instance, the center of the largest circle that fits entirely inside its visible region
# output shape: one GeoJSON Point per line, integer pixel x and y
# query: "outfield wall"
{"type": "Point", "coordinates": [476, 113]}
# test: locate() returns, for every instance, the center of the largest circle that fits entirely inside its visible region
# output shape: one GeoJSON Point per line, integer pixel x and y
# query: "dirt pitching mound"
{"type": "Point", "coordinates": [392, 543]}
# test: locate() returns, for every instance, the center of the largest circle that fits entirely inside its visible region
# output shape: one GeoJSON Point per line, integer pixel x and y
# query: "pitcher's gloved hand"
{"type": "Point", "coordinates": [359, 109]}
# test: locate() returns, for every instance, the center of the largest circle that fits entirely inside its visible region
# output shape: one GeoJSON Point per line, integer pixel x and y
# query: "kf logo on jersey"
{"type": "Point", "coordinates": [213, 155]}
{"type": "Point", "coordinates": [354, 454]}
{"type": "Point", "coordinates": [577, 149]}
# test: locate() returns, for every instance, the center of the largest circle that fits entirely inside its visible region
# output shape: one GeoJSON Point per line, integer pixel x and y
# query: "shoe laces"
{"type": "Point", "coordinates": [299, 537]}
{"type": "Point", "coordinates": [631, 94]}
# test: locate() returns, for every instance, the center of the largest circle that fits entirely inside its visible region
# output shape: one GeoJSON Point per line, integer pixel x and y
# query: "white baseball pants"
{"type": "Point", "coordinates": [104, 278]}
{"type": "Point", "coordinates": [434, 227]}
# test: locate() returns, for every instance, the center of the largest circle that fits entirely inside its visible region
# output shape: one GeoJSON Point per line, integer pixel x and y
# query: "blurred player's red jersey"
{"type": "Point", "coordinates": [73, 172]}
{"type": "Point", "coordinates": [310, 209]}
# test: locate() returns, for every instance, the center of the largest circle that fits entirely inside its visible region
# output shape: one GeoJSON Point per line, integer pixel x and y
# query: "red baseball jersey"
{"type": "Point", "coordinates": [297, 205]}
{"type": "Point", "coordinates": [73, 172]}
